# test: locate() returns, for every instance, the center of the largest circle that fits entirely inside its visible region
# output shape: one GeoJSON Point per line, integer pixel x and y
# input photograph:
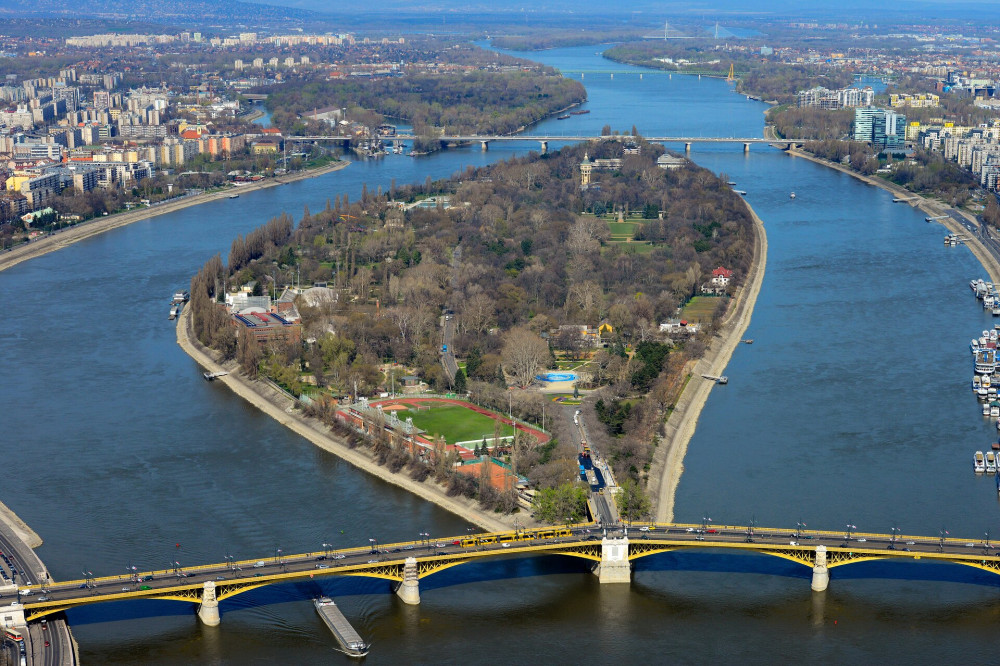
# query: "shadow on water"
{"type": "Point", "coordinates": [702, 561]}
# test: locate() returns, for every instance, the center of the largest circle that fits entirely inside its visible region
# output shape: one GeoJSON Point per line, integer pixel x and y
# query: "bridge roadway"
{"type": "Point", "coordinates": [470, 138]}
{"type": "Point", "coordinates": [410, 561]}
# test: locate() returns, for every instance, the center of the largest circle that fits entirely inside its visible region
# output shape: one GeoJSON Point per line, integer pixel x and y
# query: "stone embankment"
{"type": "Point", "coordinates": [71, 235]}
{"type": "Point", "coordinates": [668, 459]}
{"type": "Point", "coordinates": [282, 409]}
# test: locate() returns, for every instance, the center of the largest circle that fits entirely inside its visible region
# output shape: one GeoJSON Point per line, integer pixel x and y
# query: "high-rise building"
{"type": "Point", "coordinates": [885, 130]}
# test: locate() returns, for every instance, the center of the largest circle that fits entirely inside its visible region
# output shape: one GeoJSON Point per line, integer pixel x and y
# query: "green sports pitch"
{"type": "Point", "coordinates": [454, 422]}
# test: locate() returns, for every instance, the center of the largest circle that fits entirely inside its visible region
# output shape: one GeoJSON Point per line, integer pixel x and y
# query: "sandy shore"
{"type": "Point", "coordinates": [71, 235]}
{"type": "Point", "coordinates": [668, 459]}
{"type": "Point", "coordinates": [931, 207]}
{"type": "Point", "coordinates": [279, 407]}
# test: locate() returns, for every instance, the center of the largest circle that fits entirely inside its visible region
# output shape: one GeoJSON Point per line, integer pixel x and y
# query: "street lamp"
{"type": "Point", "coordinates": [277, 555]}
{"type": "Point", "coordinates": [232, 564]}
{"type": "Point", "coordinates": [374, 544]}
{"type": "Point", "coordinates": [798, 529]}
{"type": "Point", "coordinates": [753, 521]}
{"type": "Point", "coordinates": [327, 547]}
{"type": "Point", "coordinates": [892, 541]}
{"type": "Point", "coordinates": [850, 528]}
{"type": "Point", "coordinates": [986, 541]}
{"type": "Point", "coordinates": [942, 534]}
{"type": "Point", "coordinates": [425, 538]}
{"type": "Point", "coordinates": [705, 520]}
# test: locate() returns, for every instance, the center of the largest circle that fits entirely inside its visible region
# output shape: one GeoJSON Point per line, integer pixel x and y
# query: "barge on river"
{"type": "Point", "coordinates": [345, 634]}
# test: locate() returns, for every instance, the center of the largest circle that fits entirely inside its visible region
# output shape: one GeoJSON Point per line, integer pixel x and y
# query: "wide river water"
{"type": "Point", "coordinates": [852, 406]}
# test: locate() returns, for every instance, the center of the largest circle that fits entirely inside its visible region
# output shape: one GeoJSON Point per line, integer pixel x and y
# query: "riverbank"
{"type": "Point", "coordinates": [75, 234]}
{"type": "Point", "coordinates": [282, 409]}
{"type": "Point", "coordinates": [18, 527]}
{"type": "Point", "coordinates": [930, 206]}
{"type": "Point", "coordinates": [668, 460]}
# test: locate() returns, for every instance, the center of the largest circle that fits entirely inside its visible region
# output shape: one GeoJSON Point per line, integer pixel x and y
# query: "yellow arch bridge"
{"type": "Point", "coordinates": [611, 552]}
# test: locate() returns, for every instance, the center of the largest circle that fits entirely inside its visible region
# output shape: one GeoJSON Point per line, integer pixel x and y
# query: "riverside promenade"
{"type": "Point", "coordinates": [283, 409]}
{"type": "Point", "coordinates": [668, 458]}
{"type": "Point", "coordinates": [84, 230]}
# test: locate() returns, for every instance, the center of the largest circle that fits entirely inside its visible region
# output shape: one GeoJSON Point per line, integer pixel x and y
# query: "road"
{"type": "Point", "coordinates": [29, 570]}
{"type": "Point", "coordinates": [448, 328]}
{"type": "Point", "coordinates": [285, 569]}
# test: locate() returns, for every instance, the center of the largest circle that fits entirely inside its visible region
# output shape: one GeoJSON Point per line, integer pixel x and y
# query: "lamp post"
{"type": "Point", "coordinates": [705, 520]}
{"type": "Point", "coordinates": [374, 544]}
{"type": "Point", "coordinates": [231, 560]}
{"type": "Point", "coordinates": [327, 547]}
{"type": "Point", "coordinates": [986, 541]}
{"type": "Point", "coordinates": [850, 528]}
{"type": "Point", "coordinates": [277, 556]}
{"type": "Point", "coordinates": [943, 533]}
{"type": "Point", "coordinates": [798, 529]}
{"type": "Point", "coordinates": [425, 538]}
{"type": "Point", "coordinates": [892, 541]}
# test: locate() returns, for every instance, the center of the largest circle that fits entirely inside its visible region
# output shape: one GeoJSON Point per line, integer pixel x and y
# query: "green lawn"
{"type": "Point", "coordinates": [700, 308]}
{"type": "Point", "coordinates": [623, 229]}
{"type": "Point", "coordinates": [455, 423]}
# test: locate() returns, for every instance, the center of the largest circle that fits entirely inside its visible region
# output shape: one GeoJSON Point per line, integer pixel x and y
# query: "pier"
{"type": "Point", "coordinates": [342, 630]}
{"type": "Point", "coordinates": [212, 375]}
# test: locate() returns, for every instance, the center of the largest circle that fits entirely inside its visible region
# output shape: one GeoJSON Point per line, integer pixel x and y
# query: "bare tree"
{"type": "Point", "coordinates": [523, 353]}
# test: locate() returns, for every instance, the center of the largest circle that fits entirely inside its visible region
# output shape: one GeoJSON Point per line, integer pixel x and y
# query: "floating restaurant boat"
{"type": "Point", "coordinates": [986, 361]}
{"type": "Point", "coordinates": [979, 463]}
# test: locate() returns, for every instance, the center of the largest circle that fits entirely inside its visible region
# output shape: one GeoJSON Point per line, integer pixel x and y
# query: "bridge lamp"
{"type": "Point", "coordinates": [850, 528]}
{"type": "Point", "coordinates": [327, 547]}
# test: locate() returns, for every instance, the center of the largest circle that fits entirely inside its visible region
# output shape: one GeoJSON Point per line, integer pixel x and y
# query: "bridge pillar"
{"type": "Point", "coordinates": [821, 574]}
{"type": "Point", "coordinates": [615, 566]}
{"type": "Point", "coordinates": [746, 147]}
{"type": "Point", "coordinates": [208, 611]}
{"type": "Point", "coordinates": [484, 145]}
{"type": "Point", "coordinates": [545, 147]}
{"type": "Point", "coordinates": [687, 147]}
{"type": "Point", "coordinates": [409, 589]}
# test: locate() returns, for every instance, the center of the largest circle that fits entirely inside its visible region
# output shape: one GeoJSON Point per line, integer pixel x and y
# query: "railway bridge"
{"type": "Point", "coordinates": [611, 550]}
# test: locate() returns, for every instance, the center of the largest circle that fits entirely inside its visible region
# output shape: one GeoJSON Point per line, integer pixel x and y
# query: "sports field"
{"type": "Point", "coordinates": [454, 422]}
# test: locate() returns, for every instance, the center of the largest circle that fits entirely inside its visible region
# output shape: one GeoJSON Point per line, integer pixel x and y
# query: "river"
{"type": "Point", "coordinates": [851, 406]}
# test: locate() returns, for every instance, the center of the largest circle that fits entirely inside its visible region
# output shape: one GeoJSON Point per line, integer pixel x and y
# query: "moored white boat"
{"type": "Point", "coordinates": [991, 462]}
{"type": "Point", "coordinates": [979, 463]}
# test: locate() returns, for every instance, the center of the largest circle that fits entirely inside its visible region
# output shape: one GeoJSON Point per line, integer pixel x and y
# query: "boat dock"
{"type": "Point", "coordinates": [718, 380]}
{"type": "Point", "coordinates": [212, 375]}
{"type": "Point", "coordinates": [342, 630]}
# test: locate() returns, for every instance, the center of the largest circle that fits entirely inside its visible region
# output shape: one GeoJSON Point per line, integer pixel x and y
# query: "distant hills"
{"type": "Point", "coordinates": [183, 12]}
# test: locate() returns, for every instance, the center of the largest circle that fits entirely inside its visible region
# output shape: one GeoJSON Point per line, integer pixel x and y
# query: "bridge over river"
{"type": "Point", "coordinates": [611, 550]}
{"type": "Point", "coordinates": [544, 139]}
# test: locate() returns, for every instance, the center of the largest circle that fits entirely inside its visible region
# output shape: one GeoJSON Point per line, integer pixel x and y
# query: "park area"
{"type": "Point", "coordinates": [456, 423]}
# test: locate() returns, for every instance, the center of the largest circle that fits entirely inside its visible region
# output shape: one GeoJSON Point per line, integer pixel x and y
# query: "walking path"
{"type": "Point", "coordinates": [668, 459]}
{"type": "Point", "coordinates": [282, 409]}
{"type": "Point", "coordinates": [70, 235]}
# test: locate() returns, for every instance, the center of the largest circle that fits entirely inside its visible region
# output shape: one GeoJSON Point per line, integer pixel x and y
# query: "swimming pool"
{"type": "Point", "coordinates": [557, 377]}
